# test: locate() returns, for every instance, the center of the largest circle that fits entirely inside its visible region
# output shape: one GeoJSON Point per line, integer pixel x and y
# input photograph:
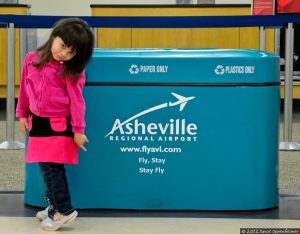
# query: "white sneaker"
{"type": "Point", "coordinates": [41, 215]}
{"type": "Point", "coordinates": [58, 220]}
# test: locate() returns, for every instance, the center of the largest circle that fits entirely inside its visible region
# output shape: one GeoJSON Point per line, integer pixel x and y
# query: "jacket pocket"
{"type": "Point", "coordinates": [58, 124]}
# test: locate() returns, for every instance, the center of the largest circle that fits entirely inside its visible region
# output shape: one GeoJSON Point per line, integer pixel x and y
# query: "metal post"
{"type": "Point", "coordinates": [95, 37]}
{"type": "Point", "coordinates": [287, 143]}
{"type": "Point", "coordinates": [262, 38]}
{"type": "Point", "coordinates": [10, 142]}
{"type": "Point", "coordinates": [277, 41]}
{"type": "Point", "coordinates": [23, 45]}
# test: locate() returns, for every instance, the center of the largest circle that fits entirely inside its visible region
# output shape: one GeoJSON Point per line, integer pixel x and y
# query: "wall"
{"type": "Point", "coordinates": [78, 7]}
{"type": "Point", "coordinates": [233, 1]}
{"type": "Point", "coordinates": [73, 8]}
{"type": "Point", "coordinates": [82, 8]}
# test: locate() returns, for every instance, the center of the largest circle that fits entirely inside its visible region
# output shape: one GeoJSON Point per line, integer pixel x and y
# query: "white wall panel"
{"type": "Point", "coordinates": [233, 1]}
{"type": "Point", "coordinates": [78, 7]}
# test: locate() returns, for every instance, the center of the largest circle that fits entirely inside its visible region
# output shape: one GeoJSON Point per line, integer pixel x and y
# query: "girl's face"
{"type": "Point", "coordinates": [60, 52]}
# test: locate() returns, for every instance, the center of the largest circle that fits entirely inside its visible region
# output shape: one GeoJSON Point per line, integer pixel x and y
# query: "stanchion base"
{"type": "Point", "coordinates": [289, 146]}
{"type": "Point", "coordinates": [12, 145]}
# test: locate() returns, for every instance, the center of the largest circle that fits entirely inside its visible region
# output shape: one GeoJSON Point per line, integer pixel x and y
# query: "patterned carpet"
{"type": "Point", "coordinates": [13, 166]}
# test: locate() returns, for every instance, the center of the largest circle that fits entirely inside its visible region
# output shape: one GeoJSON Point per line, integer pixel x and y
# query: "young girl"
{"type": "Point", "coordinates": [52, 107]}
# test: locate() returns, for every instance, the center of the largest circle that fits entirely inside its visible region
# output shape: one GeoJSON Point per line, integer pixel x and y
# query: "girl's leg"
{"type": "Point", "coordinates": [44, 170]}
{"type": "Point", "coordinates": [57, 188]}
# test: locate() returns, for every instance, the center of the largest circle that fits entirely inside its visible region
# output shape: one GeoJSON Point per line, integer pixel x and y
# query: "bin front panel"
{"type": "Point", "coordinates": [219, 152]}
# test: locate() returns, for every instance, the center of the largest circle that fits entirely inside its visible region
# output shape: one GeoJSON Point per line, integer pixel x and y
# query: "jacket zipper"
{"type": "Point", "coordinates": [42, 84]}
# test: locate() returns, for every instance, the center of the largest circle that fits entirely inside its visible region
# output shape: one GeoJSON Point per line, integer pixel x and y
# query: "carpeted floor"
{"type": "Point", "coordinates": [13, 166]}
{"type": "Point", "coordinates": [12, 163]}
{"type": "Point", "coordinates": [289, 162]}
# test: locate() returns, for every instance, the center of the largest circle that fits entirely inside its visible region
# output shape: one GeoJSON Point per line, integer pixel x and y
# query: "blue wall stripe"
{"type": "Point", "coordinates": [35, 21]}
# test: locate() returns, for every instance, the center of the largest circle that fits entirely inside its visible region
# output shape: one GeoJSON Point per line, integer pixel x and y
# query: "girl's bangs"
{"type": "Point", "coordinates": [73, 40]}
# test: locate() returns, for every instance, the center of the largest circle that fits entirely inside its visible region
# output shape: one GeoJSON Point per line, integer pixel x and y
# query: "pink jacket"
{"type": "Point", "coordinates": [45, 93]}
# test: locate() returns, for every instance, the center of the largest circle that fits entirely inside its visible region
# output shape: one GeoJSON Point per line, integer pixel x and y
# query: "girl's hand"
{"type": "Point", "coordinates": [23, 125]}
{"type": "Point", "coordinates": [80, 139]}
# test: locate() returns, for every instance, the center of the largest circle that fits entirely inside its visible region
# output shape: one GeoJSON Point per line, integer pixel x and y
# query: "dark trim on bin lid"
{"type": "Point", "coordinates": [168, 5]}
{"type": "Point", "coordinates": [14, 5]}
{"type": "Point", "coordinates": [178, 84]}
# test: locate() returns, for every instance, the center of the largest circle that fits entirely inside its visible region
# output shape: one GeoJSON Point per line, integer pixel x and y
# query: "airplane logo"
{"type": "Point", "coordinates": [181, 100]}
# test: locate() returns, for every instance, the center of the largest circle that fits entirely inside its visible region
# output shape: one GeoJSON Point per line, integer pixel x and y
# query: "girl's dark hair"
{"type": "Point", "coordinates": [76, 34]}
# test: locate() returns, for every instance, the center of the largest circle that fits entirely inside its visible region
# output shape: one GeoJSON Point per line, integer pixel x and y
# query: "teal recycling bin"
{"type": "Point", "coordinates": [177, 129]}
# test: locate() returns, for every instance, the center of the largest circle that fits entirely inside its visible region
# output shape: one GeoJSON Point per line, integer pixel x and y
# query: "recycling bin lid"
{"type": "Point", "coordinates": [183, 67]}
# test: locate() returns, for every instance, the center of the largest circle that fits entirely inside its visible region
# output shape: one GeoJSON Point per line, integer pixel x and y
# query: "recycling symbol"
{"type": "Point", "coordinates": [134, 69]}
{"type": "Point", "coordinates": [219, 70]}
